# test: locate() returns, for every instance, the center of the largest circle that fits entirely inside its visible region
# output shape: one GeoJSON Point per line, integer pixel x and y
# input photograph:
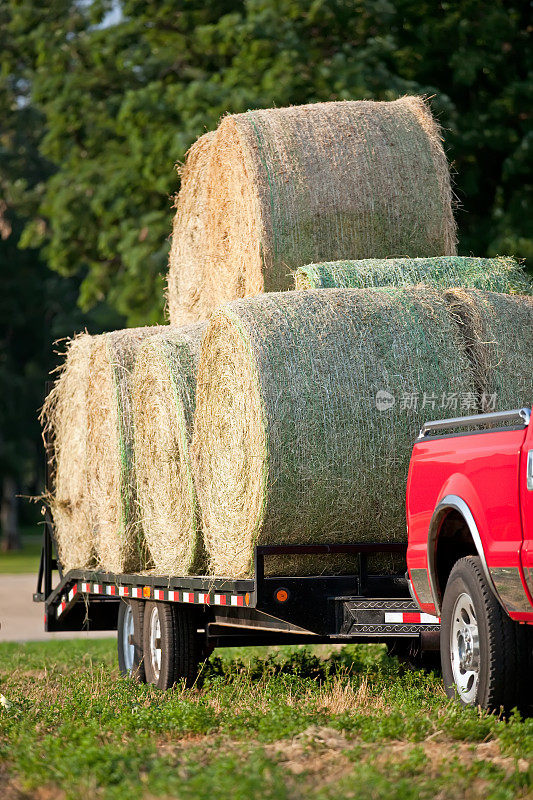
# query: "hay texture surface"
{"type": "Point", "coordinates": [274, 189]}
{"type": "Point", "coordinates": [164, 388]}
{"type": "Point", "coordinates": [64, 419]}
{"type": "Point", "coordinates": [189, 231]}
{"type": "Point", "coordinates": [493, 274]}
{"type": "Point", "coordinates": [498, 338]}
{"type": "Point", "coordinates": [289, 445]}
{"type": "Point", "coordinates": [111, 474]}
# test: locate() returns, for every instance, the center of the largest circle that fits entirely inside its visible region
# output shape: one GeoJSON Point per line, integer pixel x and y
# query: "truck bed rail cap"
{"type": "Point", "coordinates": [521, 416]}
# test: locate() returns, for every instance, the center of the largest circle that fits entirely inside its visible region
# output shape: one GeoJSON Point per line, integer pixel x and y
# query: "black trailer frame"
{"type": "Point", "coordinates": [262, 610]}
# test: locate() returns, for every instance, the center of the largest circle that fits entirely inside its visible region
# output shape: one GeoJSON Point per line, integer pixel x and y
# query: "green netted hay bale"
{"type": "Point", "coordinates": [110, 464]}
{"type": "Point", "coordinates": [502, 274]}
{"type": "Point", "coordinates": [64, 420]}
{"type": "Point", "coordinates": [274, 189]}
{"type": "Point", "coordinates": [498, 336]}
{"type": "Point", "coordinates": [289, 445]}
{"type": "Point", "coordinates": [164, 388]}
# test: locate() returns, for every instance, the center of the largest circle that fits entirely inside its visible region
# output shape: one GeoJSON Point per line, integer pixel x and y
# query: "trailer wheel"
{"type": "Point", "coordinates": [485, 656]}
{"type": "Point", "coordinates": [172, 647]}
{"type": "Point", "coordinates": [129, 640]}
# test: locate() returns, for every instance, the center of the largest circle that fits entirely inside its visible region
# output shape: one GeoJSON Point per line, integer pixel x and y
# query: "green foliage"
{"type": "Point", "coordinates": [37, 306]}
{"type": "Point", "coordinates": [125, 88]}
{"type": "Point", "coordinates": [286, 724]}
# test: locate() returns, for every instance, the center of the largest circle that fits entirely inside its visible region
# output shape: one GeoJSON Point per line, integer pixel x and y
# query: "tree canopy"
{"type": "Point", "coordinates": [125, 88]}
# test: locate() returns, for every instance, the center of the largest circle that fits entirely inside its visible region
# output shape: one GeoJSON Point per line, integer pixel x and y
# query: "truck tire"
{"type": "Point", "coordinates": [172, 646]}
{"type": "Point", "coordinates": [130, 638]}
{"type": "Point", "coordinates": [485, 656]}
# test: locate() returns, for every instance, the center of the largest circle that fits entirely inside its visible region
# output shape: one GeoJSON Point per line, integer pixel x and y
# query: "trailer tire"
{"type": "Point", "coordinates": [130, 640]}
{"type": "Point", "coordinates": [485, 655]}
{"type": "Point", "coordinates": [177, 655]}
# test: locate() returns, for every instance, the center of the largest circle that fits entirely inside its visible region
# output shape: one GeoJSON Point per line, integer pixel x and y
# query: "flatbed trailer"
{"type": "Point", "coordinates": [204, 612]}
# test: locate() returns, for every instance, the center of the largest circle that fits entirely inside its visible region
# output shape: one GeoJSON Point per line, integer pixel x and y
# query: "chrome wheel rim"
{"type": "Point", "coordinates": [464, 648]}
{"type": "Point", "coordinates": [128, 648]}
{"type": "Point", "coordinates": [155, 642]}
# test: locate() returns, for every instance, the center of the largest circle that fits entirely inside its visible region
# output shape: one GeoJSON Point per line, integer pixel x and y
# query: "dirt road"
{"type": "Point", "coordinates": [21, 619]}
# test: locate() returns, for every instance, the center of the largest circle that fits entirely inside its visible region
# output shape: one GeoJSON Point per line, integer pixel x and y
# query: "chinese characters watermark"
{"type": "Point", "coordinates": [465, 402]}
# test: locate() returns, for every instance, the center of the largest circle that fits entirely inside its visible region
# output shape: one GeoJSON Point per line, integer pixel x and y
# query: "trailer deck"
{"type": "Point", "coordinates": [258, 610]}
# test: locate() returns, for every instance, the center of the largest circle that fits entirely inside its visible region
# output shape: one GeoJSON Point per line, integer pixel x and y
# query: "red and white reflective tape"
{"type": "Point", "coordinates": [237, 600]}
{"type": "Point", "coordinates": [171, 595]}
{"type": "Point", "coordinates": [411, 618]}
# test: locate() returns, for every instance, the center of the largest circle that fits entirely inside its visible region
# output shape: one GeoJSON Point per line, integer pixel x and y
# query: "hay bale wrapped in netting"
{"type": "Point", "coordinates": [308, 404]}
{"type": "Point", "coordinates": [293, 186]}
{"type": "Point", "coordinates": [502, 274]}
{"type": "Point", "coordinates": [110, 473]}
{"type": "Point", "coordinates": [498, 336]}
{"type": "Point", "coordinates": [188, 236]}
{"type": "Point", "coordinates": [64, 420]}
{"type": "Point", "coordinates": [164, 388]}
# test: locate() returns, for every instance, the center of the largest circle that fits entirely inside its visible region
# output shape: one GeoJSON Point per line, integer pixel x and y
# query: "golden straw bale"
{"type": "Point", "coordinates": [274, 189]}
{"type": "Point", "coordinates": [64, 419]}
{"type": "Point", "coordinates": [164, 388]}
{"type": "Point", "coordinates": [110, 464]}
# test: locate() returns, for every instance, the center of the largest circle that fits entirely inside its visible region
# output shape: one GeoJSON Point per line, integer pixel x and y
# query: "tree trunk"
{"type": "Point", "coordinates": [10, 536]}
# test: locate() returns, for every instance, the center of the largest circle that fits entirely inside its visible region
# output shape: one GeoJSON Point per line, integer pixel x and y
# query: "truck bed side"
{"type": "Point", "coordinates": [463, 496]}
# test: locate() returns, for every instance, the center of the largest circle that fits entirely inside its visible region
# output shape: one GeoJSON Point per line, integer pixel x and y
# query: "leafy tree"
{"type": "Point", "coordinates": [125, 88]}
{"type": "Point", "coordinates": [37, 306]}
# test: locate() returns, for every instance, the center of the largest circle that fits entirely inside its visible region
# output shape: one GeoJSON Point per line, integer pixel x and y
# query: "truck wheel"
{"type": "Point", "coordinates": [129, 640]}
{"type": "Point", "coordinates": [485, 655]}
{"type": "Point", "coordinates": [172, 648]}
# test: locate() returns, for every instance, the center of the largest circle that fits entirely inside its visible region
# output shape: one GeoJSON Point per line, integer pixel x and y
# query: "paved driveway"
{"type": "Point", "coordinates": [21, 619]}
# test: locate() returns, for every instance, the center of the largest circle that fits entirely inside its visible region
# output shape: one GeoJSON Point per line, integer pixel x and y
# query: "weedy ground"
{"type": "Point", "coordinates": [284, 724]}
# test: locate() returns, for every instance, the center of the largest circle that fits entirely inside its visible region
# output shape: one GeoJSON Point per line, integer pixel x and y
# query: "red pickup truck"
{"type": "Point", "coordinates": [470, 551]}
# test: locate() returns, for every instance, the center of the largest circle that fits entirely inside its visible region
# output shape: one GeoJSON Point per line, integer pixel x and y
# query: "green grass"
{"type": "Point", "coordinates": [17, 562]}
{"type": "Point", "coordinates": [279, 724]}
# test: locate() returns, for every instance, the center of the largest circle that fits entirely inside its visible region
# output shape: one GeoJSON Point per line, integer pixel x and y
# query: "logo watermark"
{"type": "Point", "coordinates": [464, 402]}
{"type": "Point", "coordinates": [384, 400]}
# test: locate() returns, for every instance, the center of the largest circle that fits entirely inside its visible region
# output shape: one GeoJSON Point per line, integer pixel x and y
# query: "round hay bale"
{"type": "Point", "coordinates": [184, 291]}
{"type": "Point", "coordinates": [308, 405]}
{"type": "Point", "coordinates": [293, 186]}
{"type": "Point", "coordinates": [110, 472]}
{"type": "Point", "coordinates": [493, 274]}
{"type": "Point", "coordinates": [64, 420]}
{"type": "Point", "coordinates": [498, 340]}
{"type": "Point", "coordinates": [164, 388]}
